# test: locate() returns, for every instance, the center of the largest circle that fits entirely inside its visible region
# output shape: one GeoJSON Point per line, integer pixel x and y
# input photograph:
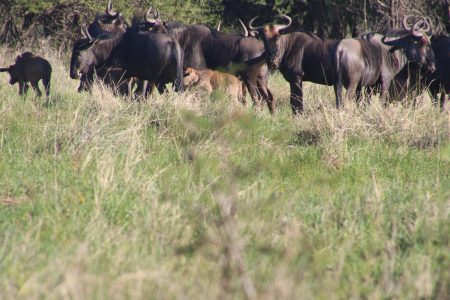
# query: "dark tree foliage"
{"type": "Point", "coordinates": [61, 20]}
{"type": "Point", "coordinates": [340, 18]}
{"type": "Point", "coordinates": [21, 21]}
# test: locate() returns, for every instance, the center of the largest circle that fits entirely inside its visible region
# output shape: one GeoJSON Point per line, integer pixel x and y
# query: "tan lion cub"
{"type": "Point", "coordinates": [215, 81]}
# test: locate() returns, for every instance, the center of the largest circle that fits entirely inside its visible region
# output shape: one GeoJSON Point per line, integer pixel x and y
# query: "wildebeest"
{"type": "Point", "coordinates": [412, 79]}
{"type": "Point", "coordinates": [439, 81]}
{"type": "Point", "coordinates": [367, 62]}
{"type": "Point", "coordinates": [30, 68]}
{"type": "Point", "coordinates": [300, 56]}
{"type": "Point", "coordinates": [110, 21]}
{"type": "Point", "coordinates": [211, 80]}
{"type": "Point", "coordinates": [145, 55]}
{"type": "Point", "coordinates": [205, 47]}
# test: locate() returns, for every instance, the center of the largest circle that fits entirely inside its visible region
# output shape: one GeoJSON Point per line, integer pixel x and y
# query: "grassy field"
{"type": "Point", "coordinates": [185, 197]}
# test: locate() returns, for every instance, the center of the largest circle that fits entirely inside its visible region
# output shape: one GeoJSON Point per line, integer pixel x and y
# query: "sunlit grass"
{"type": "Point", "coordinates": [185, 197]}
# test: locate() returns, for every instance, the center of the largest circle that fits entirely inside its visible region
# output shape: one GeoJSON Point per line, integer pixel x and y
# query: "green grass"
{"type": "Point", "coordinates": [182, 197]}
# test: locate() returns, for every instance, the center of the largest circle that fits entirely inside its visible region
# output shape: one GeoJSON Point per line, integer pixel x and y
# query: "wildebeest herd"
{"type": "Point", "coordinates": [153, 52]}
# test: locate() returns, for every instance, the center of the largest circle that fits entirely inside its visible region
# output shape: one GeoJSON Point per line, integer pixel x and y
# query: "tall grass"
{"type": "Point", "coordinates": [185, 197]}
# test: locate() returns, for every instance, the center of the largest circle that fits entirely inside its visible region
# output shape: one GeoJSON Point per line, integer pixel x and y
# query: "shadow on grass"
{"type": "Point", "coordinates": [306, 138]}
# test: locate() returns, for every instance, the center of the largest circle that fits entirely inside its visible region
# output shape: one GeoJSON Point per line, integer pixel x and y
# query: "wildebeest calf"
{"type": "Point", "coordinates": [30, 68]}
{"type": "Point", "coordinates": [215, 81]}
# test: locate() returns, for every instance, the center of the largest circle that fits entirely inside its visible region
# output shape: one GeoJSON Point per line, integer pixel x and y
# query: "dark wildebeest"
{"type": "Point", "coordinates": [360, 62]}
{"type": "Point", "coordinates": [439, 81]}
{"type": "Point", "coordinates": [110, 21]}
{"type": "Point", "coordinates": [111, 77]}
{"type": "Point", "coordinates": [205, 47]}
{"type": "Point", "coordinates": [436, 82]}
{"type": "Point", "coordinates": [145, 55]}
{"type": "Point", "coordinates": [30, 68]}
{"type": "Point", "coordinates": [300, 56]}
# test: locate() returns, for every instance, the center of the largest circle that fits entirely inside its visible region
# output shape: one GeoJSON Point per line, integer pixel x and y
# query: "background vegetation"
{"type": "Point", "coordinates": [22, 21]}
{"type": "Point", "coordinates": [186, 197]}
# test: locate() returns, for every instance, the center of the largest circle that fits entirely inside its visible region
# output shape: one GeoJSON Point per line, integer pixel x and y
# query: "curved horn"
{"type": "Point", "coordinates": [423, 26]}
{"type": "Point", "coordinates": [86, 33]}
{"type": "Point", "coordinates": [250, 26]}
{"type": "Point", "coordinates": [418, 30]}
{"type": "Point", "coordinates": [430, 24]}
{"type": "Point", "coordinates": [148, 13]}
{"type": "Point", "coordinates": [110, 11]}
{"type": "Point", "coordinates": [281, 27]}
{"type": "Point", "coordinates": [405, 22]}
{"type": "Point", "coordinates": [245, 28]}
{"type": "Point", "coordinates": [218, 25]}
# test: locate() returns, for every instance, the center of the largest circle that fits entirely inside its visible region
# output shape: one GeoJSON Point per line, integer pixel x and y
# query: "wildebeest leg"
{"type": "Point", "coordinates": [351, 91]}
{"type": "Point", "coordinates": [268, 97]}
{"type": "Point", "coordinates": [296, 95]}
{"type": "Point", "coordinates": [140, 86]}
{"type": "Point", "coordinates": [149, 89]}
{"type": "Point", "coordinates": [130, 85]}
{"type": "Point", "coordinates": [385, 92]}
{"type": "Point", "coordinates": [444, 99]}
{"type": "Point", "coordinates": [243, 94]}
{"type": "Point", "coordinates": [253, 91]}
{"type": "Point", "coordinates": [23, 88]}
{"type": "Point", "coordinates": [162, 88]}
{"type": "Point", "coordinates": [434, 95]}
{"type": "Point", "coordinates": [86, 81]}
{"type": "Point", "coordinates": [144, 88]}
{"type": "Point", "coordinates": [35, 86]}
{"type": "Point", "coordinates": [338, 87]}
{"type": "Point", "coordinates": [82, 86]}
{"type": "Point", "coordinates": [370, 91]}
{"type": "Point", "coordinates": [359, 94]}
{"type": "Point", "coordinates": [46, 83]}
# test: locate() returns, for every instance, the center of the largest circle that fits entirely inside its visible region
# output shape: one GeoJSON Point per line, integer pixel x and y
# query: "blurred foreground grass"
{"type": "Point", "coordinates": [184, 197]}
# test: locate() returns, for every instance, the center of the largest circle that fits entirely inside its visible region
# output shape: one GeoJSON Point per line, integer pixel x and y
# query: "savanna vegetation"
{"type": "Point", "coordinates": [22, 21]}
{"type": "Point", "coordinates": [184, 197]}
{"type": "Point", "coordinates": [181, 196]}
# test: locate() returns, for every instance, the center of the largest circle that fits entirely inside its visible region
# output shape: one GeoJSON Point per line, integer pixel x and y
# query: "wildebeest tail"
{"type": "Point", "coordinates": [179, 87]}
{"type": "Point", "coordinates": [337, 56]}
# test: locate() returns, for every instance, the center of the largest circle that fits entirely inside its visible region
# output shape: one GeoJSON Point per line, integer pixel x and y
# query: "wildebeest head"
{"type": "Point", "coordinates": [89, 52]}
{"type": "Point", "coordinates": [270, 35]}
{"type": "Point", "coordinates": [82, 60]}
{"type": "Point", "coordinates": [110, 21]}
{"type": "Point", "coordinates": [415, 42]}
{"type": "Point", "coordinates": [149, 22]}
{"type": "Point", "coordinates": [12, 73]}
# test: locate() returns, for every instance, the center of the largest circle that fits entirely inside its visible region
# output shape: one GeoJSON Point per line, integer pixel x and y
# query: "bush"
{"type": "Point", "coordinates": [23, 21]}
